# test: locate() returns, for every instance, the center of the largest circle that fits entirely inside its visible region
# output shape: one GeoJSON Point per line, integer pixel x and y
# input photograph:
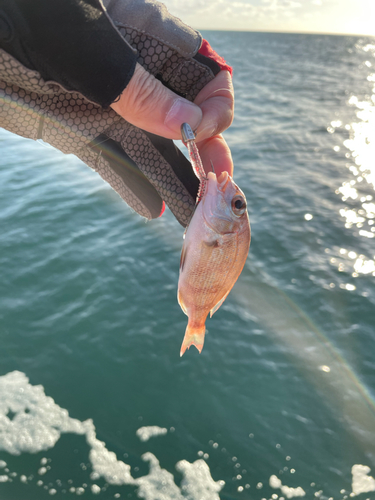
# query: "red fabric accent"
{"type": "Point", "coordinates": [208, 51]}
{"type": "Point", "coordinates": [162, 210]}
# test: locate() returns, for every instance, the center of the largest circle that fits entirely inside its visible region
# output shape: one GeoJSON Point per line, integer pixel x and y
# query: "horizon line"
{"type": "Point", "coordinates": [286, 32]}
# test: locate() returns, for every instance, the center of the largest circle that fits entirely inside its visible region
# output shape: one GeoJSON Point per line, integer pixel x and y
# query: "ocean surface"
{"type": "Point", "coordinates": [94, 398]}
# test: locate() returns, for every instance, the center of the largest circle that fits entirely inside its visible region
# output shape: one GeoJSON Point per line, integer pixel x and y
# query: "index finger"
{"type": "Point", "coordinates": [215, 151]}
{"type": "Point", "coordinates": [216, 101]}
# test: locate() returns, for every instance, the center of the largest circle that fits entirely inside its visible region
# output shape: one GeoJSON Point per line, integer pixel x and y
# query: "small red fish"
{"type": "Point", "coordinates": [213, 254]}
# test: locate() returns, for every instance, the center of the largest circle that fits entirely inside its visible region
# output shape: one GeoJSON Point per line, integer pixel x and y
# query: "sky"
{"type": "Point", "coordinates": [308, 16]}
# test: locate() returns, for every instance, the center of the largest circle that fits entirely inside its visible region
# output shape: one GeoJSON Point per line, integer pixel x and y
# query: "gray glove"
{"type": "Point", "coordinates": [143, 168]}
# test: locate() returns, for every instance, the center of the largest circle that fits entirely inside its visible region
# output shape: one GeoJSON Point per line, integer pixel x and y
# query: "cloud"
{"type": "Point", "coordinates": [236, 9]}
{"type": "Point", "coordinates": [331, 16]}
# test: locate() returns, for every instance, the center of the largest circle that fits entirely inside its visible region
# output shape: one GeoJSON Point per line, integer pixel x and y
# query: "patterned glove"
{"type": "Point", "coordinates": [143, 168]}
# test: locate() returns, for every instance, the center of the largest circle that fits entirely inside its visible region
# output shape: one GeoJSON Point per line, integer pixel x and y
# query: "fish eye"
{"type": "Point", "coordinates": [238, 205]}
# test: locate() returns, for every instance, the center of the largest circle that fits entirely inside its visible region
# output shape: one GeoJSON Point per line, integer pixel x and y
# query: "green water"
{"type": "Point", "coordinates": [88, 309]}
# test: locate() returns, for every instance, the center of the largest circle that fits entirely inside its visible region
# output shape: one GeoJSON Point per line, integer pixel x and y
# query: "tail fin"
{"type": "Point", "coordinates": [193, 336]}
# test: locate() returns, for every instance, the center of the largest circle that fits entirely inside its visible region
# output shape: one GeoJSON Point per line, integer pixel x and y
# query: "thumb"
{"type": "Point", "coordinates": [149, 105]}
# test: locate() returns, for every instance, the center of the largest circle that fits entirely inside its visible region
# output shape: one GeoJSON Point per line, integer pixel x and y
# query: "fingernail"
{"type": "Point", "coordinates": [183, 111]}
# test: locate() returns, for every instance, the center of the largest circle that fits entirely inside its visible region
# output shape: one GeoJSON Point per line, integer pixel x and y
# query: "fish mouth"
{"type": "Point", "coordinates": [219, 183]}
{"type": "Point", "coordinates": [212, 183]}
{"type": "Point", "coordinates": [216, 184]}
{"type": "Point", "coordinates": [223, 180]}
{"type": "Point", "coordinates": [217, 187]}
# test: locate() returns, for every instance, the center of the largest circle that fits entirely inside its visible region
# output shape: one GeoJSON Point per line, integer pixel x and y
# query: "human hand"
{"type": "Point", "coordinates": [145, 168]}
{"type": "Point", "coordinates": [149, 105]}
{"type": "Point", "coordinates": [216, 100]}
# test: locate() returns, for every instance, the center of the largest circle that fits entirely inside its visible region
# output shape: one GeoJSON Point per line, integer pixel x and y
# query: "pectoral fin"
{"type": "Point", "coordinates": [212, 243]}
{"type": "Point", "coordinates": [215, 308]}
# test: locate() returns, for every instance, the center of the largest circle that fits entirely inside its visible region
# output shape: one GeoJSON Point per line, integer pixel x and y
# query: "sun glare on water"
{"type": "Point", "coordinates": [358, 193]}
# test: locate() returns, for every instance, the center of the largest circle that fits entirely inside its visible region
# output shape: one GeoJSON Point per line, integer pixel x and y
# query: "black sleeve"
{"type": "Point", "coordinates": [72, 42]}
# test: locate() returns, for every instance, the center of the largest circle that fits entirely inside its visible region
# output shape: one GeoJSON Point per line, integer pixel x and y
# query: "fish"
{"type": "Point", "coordinates": [214, 252]}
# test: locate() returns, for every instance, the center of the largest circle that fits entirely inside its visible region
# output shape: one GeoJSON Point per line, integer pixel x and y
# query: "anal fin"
{"type": "Point", "coordinates": [181, 302]}
{"type": "Point", "coordinates": [215, 308]}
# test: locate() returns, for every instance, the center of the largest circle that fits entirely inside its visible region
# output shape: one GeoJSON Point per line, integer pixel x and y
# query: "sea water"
{"type": "Point", "coordinates": [94, 398]}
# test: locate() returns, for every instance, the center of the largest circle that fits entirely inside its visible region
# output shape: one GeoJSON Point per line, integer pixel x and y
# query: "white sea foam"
{"type": "Point", "coordinates": [95, 489]}
{"type": "Point", "coordinates": [287, 491]}
{"type": "Point", "coordinates": [31, 422]}
{"type": "Point", "coordinates": [197, 481]}
{"type": "Point", "coordinates": [36, 422]}
{"type": "Point", "coordinates": [145, 433]}
{"type": "Point", "coordinates": [362, 482]}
